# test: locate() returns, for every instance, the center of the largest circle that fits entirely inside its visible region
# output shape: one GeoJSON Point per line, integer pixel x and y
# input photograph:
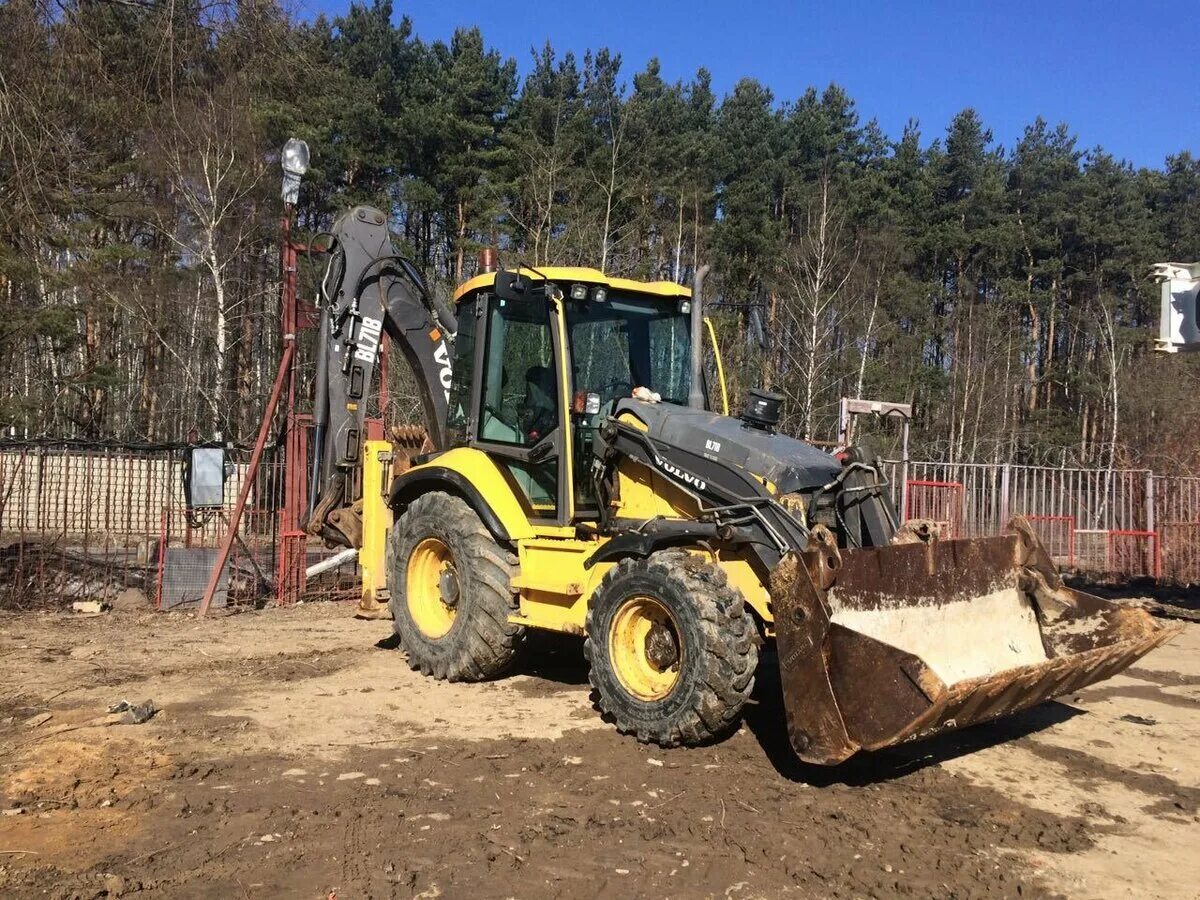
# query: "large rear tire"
{"type": "Point", "coordinates": [672, 648]}
{"type": "Point", "coordinates": [450, 590]}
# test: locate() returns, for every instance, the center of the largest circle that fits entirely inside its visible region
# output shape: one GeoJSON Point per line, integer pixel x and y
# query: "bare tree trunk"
{"type": "Point", "coordinates": [1048, 360]}
{"type": "Point", "coordinates": [1109, 334]}
{"type": "Point", "coordinates": [866, 342]}
{"type": "Point", "coordinates": [461, 236]}
{"type": "Point", "coordinates": [608, 206]}
{"type": "Point", "coordinates": [819, 264]}
{"type": "Point", "coordinates": [216, 272]}
{"type": "Point", "coordinates": [679, 241]}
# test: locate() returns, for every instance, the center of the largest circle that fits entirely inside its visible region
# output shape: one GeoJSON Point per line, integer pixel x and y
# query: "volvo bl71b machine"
{"type": "Point", "coordinates": [586, 478]}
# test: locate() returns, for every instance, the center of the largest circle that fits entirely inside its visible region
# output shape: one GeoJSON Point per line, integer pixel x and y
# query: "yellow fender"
{"type": "Point", "coordinates": [472, 475]}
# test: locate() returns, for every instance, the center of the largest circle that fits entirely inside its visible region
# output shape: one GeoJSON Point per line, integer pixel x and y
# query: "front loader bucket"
{"type": "Point", "coordinates": [884, 645]}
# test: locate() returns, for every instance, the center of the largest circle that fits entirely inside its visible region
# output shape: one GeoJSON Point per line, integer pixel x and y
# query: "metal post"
{"type": "Point", "coordinates": [1005, 485]}
{"type": "Point", "coordinates": [1149, 501]}
{"type": "Point", "coordinates": [293, 482]}
{"type": "Point", "coordinates": [696, 386]}
{"type": "Point", "coordinates": [295, 477]}
{"type": "Point", "coordinates": [214, 577]}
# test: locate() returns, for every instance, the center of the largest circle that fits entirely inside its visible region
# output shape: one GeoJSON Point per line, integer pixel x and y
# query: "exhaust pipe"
{"type": "Point", "coordinates": [696, 387]}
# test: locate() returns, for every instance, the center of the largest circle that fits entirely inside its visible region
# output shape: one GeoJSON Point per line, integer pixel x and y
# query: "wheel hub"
{"type": "Point", "coordinates": [645, 649]}
{"type": "Point", "coordinates": [432, 587]}
{"type": "Point", "coordinates": [448, 586]}
{"type": "Point", "coordinates": [662, 650]}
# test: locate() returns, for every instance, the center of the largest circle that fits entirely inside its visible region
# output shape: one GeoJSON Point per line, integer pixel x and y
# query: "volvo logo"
{"type": "Point", "coordinates": [686, 477]}
{"type": "Point", "coordinates": [441, 356]}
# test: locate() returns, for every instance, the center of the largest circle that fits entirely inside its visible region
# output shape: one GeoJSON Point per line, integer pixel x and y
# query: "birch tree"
{"type": "Point", "coordinates": [819, 262]}
{"type": "Point", "coordinates": [211, 171]}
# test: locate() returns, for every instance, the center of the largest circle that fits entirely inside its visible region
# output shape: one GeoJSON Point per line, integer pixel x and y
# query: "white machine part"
{"type": "Point", "coordinates": [1178, 327]}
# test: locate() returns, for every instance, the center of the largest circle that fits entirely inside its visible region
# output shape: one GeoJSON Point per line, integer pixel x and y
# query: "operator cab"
{"type": "Point", "coordinates": [542, 357]}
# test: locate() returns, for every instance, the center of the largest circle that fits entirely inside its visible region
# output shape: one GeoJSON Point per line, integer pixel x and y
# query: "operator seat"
{"type": "Point", "coordinates": [541, 406]}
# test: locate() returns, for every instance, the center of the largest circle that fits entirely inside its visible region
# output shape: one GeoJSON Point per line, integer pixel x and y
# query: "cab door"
{"type": "Point", "coordinates": [519, 399]}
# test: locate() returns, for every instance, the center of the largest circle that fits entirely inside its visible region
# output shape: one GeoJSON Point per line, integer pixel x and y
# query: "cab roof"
{"type": "Point", "coordinates": [582, 274]}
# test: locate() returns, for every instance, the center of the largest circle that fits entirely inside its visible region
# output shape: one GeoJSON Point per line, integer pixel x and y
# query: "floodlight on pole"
{"type": "Point", "coordinates": [294, 160]}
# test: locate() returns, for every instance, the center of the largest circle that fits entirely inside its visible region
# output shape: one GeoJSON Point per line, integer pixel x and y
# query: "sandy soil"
{"type": "Point", "coordinates": [296, 754]}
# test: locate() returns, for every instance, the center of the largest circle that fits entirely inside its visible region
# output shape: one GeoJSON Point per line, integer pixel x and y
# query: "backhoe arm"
{"type": "Point", "coordinates": [368, 290]}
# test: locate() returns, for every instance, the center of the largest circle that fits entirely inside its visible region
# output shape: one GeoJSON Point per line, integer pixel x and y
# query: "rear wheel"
{"type": "Point", "coordinates": [450, 594]}
{"type": "Point", "coordinates": [672, 649]}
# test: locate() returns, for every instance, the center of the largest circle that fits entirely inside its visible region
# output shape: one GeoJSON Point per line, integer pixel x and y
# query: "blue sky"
{"type": "Point", "coordinates": [1123, 75]}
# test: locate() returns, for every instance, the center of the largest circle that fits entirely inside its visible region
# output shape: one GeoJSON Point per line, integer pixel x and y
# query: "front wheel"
{"type": "Point", "coordinates": [672, 649]}
{"type": "Point", "coordinates": [450, 590]}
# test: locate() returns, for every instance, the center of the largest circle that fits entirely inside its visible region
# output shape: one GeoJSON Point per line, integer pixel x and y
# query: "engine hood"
{"type": "Point", "coordinates": [790, 464]}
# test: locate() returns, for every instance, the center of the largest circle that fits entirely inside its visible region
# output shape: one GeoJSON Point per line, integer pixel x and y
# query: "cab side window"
{"type": "Point", "coordinates": [458, 417]}
{"type": "Point", "coordinates": [520, 389]}
{"type": "Point", "coordinates": [520, 397]}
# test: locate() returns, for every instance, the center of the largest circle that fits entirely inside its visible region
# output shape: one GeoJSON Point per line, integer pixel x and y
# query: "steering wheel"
{"type": "Point", "coordinates": [499, 417]}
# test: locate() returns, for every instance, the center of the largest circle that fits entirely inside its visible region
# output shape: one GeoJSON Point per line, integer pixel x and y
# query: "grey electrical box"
{"type": "Point", "coordinates": [204, 477]}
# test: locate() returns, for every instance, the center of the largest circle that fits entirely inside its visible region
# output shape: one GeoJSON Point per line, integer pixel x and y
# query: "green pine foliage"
{"type": "Point", "coordinates": [1002, 290]}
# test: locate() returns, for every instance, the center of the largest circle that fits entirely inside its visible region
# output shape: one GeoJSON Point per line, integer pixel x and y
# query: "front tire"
{"type": "Point", "coordinates": [672, 649]}
{"type": "Point", "coordinates": [449, 583]}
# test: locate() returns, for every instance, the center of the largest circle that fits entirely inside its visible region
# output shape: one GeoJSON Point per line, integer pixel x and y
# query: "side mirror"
{"type": "Point", "coordinates": [517, 286]}
{"type": "Point", "coordinates": [204, 474]}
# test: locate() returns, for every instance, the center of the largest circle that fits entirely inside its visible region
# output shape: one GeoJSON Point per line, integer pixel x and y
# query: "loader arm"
{"type": "Point", "coordinates": [368, 291]}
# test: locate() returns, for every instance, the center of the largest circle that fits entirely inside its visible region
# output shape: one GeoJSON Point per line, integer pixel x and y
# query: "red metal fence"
{"type": "Point", "coordinates": [1108, 523]}
{"type": "Point", "coordinates": [938, 501]}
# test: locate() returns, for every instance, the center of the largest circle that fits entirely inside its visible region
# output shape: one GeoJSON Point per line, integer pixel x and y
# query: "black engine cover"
{"type": "Point", "coordinates": [790, 464]}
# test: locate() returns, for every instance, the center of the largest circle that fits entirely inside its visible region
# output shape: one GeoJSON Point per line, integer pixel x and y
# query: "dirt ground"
{"type": "Point", "coordinates": [295, 754]}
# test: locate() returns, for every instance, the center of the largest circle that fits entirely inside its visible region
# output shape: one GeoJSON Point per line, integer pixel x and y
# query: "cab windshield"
{"type": "Point", "coordinates": [629, 342]}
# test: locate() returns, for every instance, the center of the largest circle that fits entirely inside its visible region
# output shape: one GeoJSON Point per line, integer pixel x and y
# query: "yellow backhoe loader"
{"type": "Point", "coordinates": [587, 479]}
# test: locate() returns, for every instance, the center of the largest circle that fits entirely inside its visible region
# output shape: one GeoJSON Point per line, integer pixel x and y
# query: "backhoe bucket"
{"type": "Point", "coordinates": [890, 644]}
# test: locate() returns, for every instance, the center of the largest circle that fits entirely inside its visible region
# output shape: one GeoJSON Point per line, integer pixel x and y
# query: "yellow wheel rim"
{"type": "Point", "coordinates": [645, 648]}
{"type": "Point", "coordinates": [433, 587]}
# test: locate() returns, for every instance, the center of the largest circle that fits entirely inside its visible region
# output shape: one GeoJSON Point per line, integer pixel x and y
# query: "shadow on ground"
{"type": "Point", "coordinates": [548, 655]}
{"type": "Point", "coordinates": [766, 719]}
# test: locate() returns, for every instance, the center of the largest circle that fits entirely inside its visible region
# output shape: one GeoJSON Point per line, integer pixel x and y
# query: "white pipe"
{"type": "Point", "coordinates": [333, 562]}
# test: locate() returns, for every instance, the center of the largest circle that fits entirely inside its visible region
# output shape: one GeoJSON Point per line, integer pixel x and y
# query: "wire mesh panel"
{"type": "Point", "coordinates": [188, 551]}
{"type": "Point", "coordinates": [1177, 519]}
{"type": "Point", "coordinates": [1057, 534]}
{"type": "Point", "coordinates": [80, 521]}
{"type": "Point", "coordinates": [1133, 503]}
{"type": "Point", "coordinates": [1091, 551]}
{"type": "Point", "coordinates": [1098, 499]}
{"type": "Point", "coordinates": [341, 583]}
{"type": "Point", "coordinates": [86, 521]}
{"type": "Point", "coordinates": [938, 501]}
{"type": "Point", "coordinates": [1181, 552]}
{"type": "Point", "coordinates": [980, 505]}
{"type": "Point", "coordinates": [1133, 553]}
